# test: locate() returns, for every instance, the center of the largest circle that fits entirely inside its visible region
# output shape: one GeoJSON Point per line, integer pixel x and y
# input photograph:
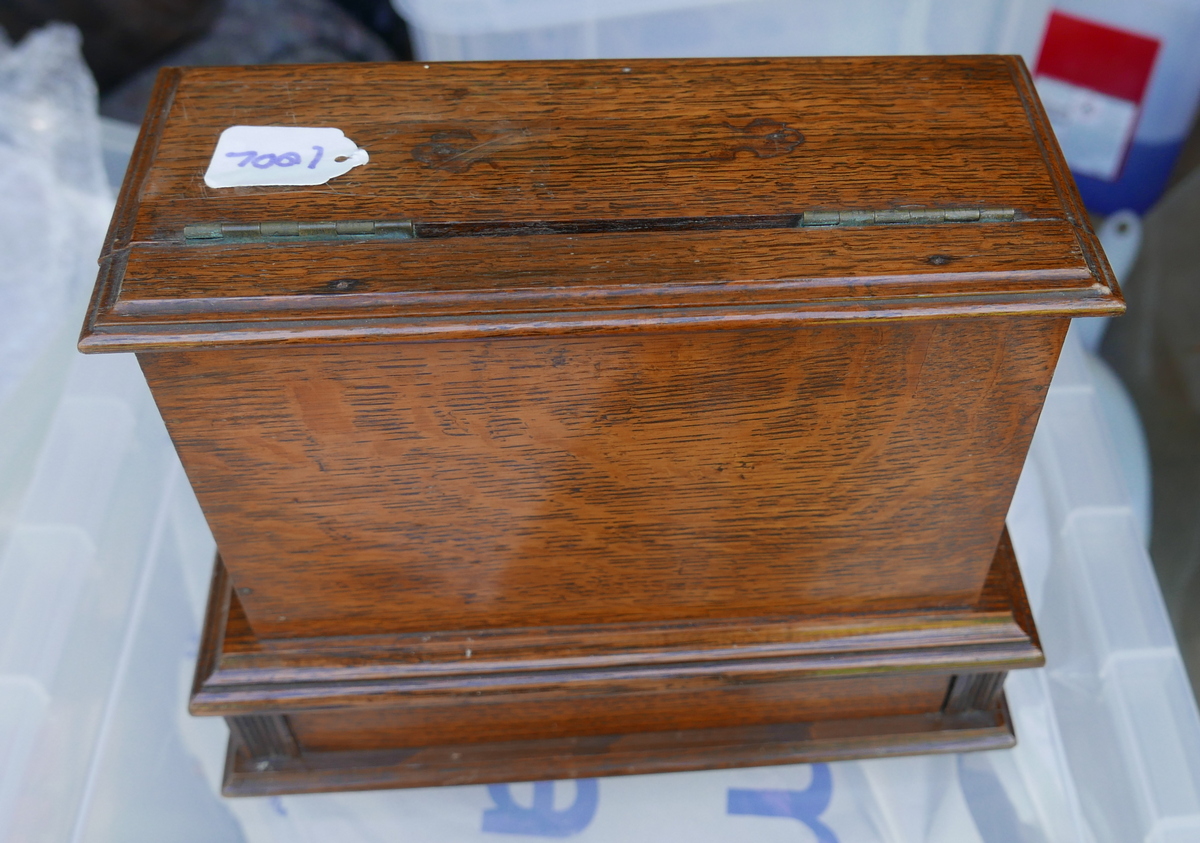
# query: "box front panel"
{"type": "Point", "coordinates": [622, 478]}
{"type": "Point", "coordinates": [585, 715]}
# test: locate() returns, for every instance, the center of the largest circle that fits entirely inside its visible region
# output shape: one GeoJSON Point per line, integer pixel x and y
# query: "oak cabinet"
{"type": "Point", "coordinates": [614, 417]}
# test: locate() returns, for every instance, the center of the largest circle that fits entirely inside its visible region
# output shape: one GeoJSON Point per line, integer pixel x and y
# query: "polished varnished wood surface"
{"type": "Point", "coordinates": [606, 188]}
{"type": "Point", "coordinates": [585, 712]}
{"type": "Point", "coordinates": [995, 634]}
{"type": "Point", "coordinates": [547, 284]}
{"type": "Point", "coordinates": [419, 690]}
{"type": "Point", "coordinates": [635, 754]}
{"type": "Point", "coordinates": [545, 141]}
{"type": "Point", "coordinates": [669, 476]}
{"type": "Point", "coordinates": [586, 272]}
{"type": "Point", "coordinates": [408, 711]}
{"type": "Point", "coordinates": [619, 463]}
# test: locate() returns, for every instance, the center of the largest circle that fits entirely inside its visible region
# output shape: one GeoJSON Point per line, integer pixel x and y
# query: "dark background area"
{"type": "Point", "coordinates": [125, 42]}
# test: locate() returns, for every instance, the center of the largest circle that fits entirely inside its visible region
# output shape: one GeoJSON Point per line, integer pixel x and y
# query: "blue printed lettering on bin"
{"type": "Point", "coordinates": [804, 805]}
{"type": "Point", "coordinates": [542, 819]}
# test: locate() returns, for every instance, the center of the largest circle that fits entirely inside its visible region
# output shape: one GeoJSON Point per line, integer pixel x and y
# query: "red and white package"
{"type": "Point", "coordinates": [1092, 78]}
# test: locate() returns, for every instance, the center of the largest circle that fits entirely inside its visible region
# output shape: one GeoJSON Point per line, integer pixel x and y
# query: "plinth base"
{"type": "Point", "coordinates": [364, 712]}
{"type": "Point", "coordinates": [617, 755]}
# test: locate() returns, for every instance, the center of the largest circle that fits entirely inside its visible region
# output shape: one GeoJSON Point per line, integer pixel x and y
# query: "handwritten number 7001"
{"type": "Point", "coordinates": [269, 159]}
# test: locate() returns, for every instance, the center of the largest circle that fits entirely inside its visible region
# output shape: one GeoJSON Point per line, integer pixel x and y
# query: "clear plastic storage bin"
{"type": "Point", "coordinates": [1109, 737]}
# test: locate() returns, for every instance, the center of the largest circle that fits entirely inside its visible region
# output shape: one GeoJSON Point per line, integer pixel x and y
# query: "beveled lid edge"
{"type": "Point", "coordinates": [1095, 301]}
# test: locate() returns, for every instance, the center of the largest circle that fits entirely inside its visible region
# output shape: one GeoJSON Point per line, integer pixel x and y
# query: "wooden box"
{"type": "Point", "coordinates": [638, 416]}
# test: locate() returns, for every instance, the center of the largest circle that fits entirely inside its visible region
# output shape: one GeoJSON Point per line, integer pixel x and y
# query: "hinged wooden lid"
{"type": "Point", "coordinates": [516, 198]}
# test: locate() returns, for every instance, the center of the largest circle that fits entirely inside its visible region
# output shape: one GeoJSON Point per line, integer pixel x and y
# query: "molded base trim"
{"type": "Point", "coordinates": [617, 755]}
{"type": "Point", "coordinates": [329, 714]}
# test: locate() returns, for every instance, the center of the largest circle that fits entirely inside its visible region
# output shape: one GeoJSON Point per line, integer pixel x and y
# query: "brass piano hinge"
{"type": "Point", "coordinates": [910, 216]}
{"type": "Point", "coordinates": [242, 231]}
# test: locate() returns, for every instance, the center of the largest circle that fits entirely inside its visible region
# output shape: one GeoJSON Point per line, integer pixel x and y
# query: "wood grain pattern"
{"type": "Point", "coordinates": [1064, 184]}
{"type": "Point", "coordinates": [366, 712]}
{"type": "Point", "coordinates": [636, 754]}
{"type": "Point", "coordinates": [433, 668]}
{"type": "Point", "coordinates": [589, 712]}
{"type": "Point", "coordinates": [358, 693]}
{"type": "Point", "coordinates": [491, 286]}
{"type": "Point", "coordinates": [264, 737]}
{"type": "Point", "coordinates": [593, 480]}
{"type": "Point", "coordinates": [973, 691]}
{"type": "Point", "coordinates": [604, 271]}
{"type": "Point", "coordinates": [571, 140]}
{"type": "Point", "coordinates": [612, 467]}
{"type": "Point", "coordinates": [629, 189]}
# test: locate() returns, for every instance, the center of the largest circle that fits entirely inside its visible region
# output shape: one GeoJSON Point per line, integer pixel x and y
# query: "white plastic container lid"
{"type": "Point", "coordinates": [768, 27]}
{"type": "Point", "coordinates": [479, 17]}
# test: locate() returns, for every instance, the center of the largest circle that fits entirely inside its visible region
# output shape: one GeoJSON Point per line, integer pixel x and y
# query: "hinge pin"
{"type": "Point", "coordinates": [304, 230]}
{"type": "Point", "coordinates": [910, 216]}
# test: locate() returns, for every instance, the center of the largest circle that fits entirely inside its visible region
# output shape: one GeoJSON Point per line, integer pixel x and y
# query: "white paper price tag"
{"type": "Point", "coordinates": [281, 155]}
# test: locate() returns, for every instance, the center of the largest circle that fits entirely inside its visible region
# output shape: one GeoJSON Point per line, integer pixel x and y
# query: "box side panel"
{"type": "Point", "coordinates": [661, 476]}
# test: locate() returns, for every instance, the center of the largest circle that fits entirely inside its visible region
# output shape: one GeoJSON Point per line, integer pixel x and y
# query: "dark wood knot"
{"type": "Point", "coordinates": [447, 151]}
{"type": "Point", "coordinates": [766, 138]}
